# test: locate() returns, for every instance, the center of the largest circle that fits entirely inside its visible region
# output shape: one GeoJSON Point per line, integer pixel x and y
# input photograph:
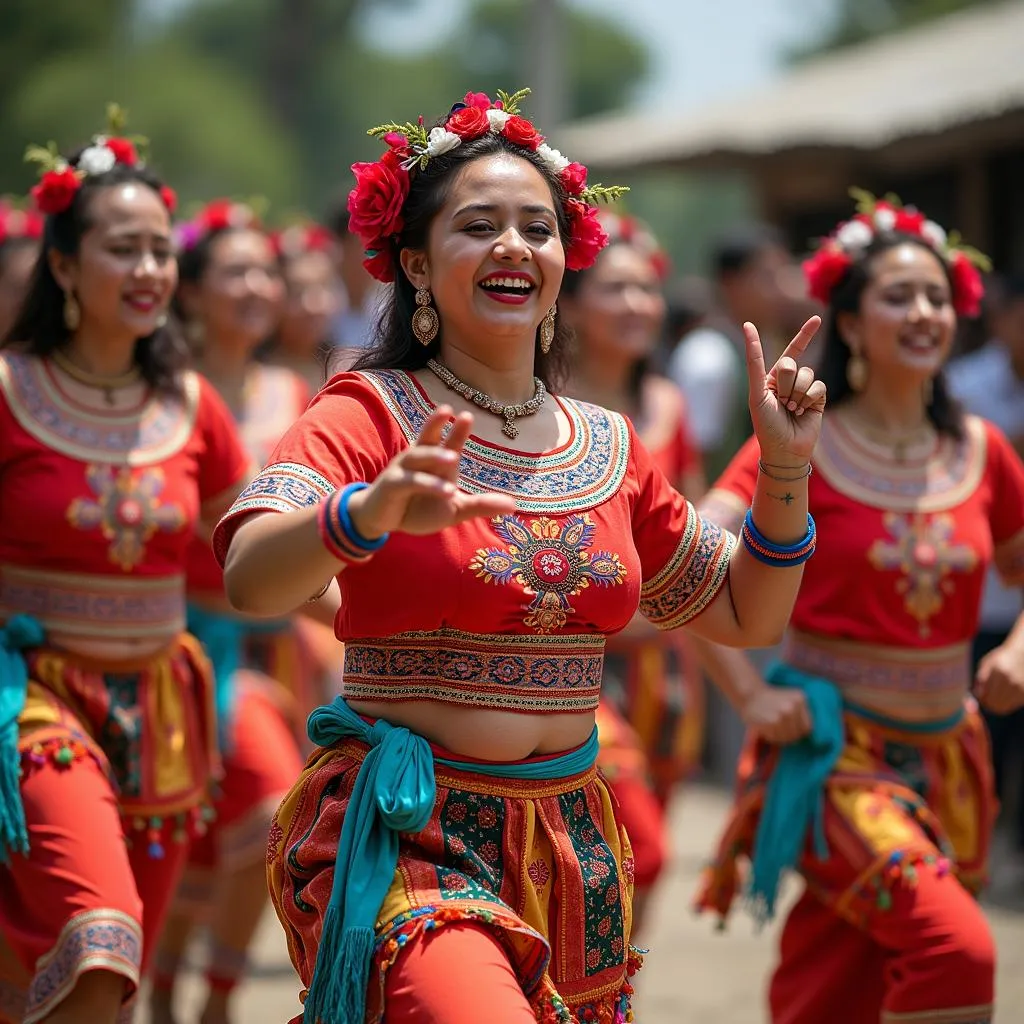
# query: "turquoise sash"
{"type": "Point", "coordinates": [21, 631]}
{"type": "Point", "coordinates": [223, 638]}
{"type": "Point", "coordinates": [795, 793]}
{"type": "Point", "coordinates": [394, 792]}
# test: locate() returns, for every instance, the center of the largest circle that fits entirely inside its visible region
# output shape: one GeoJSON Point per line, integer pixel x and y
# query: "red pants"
{"type": "Point", "coordinates": [932, 948]}
{"type": "Point", "coordinates": [82, 900]}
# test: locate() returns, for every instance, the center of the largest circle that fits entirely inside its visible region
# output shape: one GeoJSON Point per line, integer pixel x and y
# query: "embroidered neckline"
{"type": "Point", "coordinates": [941, 480]}
{"type": "Point", "coordinates": [580, 474]}
{"type": "Point", "coordinates": [146, 434]}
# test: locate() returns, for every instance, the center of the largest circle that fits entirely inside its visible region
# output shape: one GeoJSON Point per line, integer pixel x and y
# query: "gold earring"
{"type": "Point", "coordinates": [547, 330]}
{"type": "Point", "coordinates": [425, 321]}
{"type": "Point", "coordinates": [857, 372]}
{"type": "Point", "coordinates": [72, 312]}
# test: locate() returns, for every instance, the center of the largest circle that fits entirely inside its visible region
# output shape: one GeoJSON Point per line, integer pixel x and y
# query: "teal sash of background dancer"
{"type": "Point", "coordinates": [20, 632]}
{"type": "Point", "coordinates": [794, 801]}
{"type": "Point", "coordinates": [394, 792]}
{"type": "Point", "coordinates": [223, 638]}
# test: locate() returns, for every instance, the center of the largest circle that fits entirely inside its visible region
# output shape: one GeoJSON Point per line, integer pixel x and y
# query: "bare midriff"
{"type": "Point", "coordinates": [484, 734]}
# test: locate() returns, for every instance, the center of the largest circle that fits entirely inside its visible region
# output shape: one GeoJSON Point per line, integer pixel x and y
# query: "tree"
{"type": "Point", "coordinates": [858, 20]}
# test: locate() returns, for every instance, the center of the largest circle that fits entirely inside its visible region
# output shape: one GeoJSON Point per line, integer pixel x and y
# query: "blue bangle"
{"type": "Point", "coordinates": [770, 553]}
{"type": "Point", "coordinates": [352, 535]}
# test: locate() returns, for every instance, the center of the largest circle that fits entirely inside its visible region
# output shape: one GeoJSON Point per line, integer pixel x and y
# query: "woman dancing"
{"type": "Point", "coordinates": [452, 824]}
{"type": "Point", "coordinates": [886, 808]}
{"type": "Point", "coordinates": [229, 296]}
{"type": "Point", "coordinates": [112, 456]}
{"type": "Point", "coordinates": [650, 719]}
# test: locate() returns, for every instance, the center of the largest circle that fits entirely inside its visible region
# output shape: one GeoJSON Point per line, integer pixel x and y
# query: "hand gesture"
{"type": "Point", "coordinates": [417, 491]}
{"type": "Point", "coordinates": [778, 714]}
{"type": "Point", "coordinates": [999, 682]}
{"type": "Point", "coordinates": [786, 403]}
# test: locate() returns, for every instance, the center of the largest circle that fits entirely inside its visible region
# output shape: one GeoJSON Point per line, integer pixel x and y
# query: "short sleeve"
{"type": "Point", "coordinates": [1006, 477]}
{"type": "Point", "coordinates": [728, 500]}
{"type": "Point", "coordinates": [223, 462]}
{"type": "Point", "coordinates": [344, 436]}
{"type": "Point", "coordinates": [684, 559]}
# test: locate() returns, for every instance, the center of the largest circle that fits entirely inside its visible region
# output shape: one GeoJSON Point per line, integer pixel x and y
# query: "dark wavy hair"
{"type": "Point", "coordinates": [39, 328]}
{"type": "Point", "coordinates": [943, 411]}
{"type": "Point", "coordinates": [396, 346]}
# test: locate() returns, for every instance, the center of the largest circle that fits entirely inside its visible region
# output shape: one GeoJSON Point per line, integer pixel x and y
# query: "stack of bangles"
{"type": "Point", "coordinates": [338, 532]}
{"type": "Point", "coordinates": [781, 555]}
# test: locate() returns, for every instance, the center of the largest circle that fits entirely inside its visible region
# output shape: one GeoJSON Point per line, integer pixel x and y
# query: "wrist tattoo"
{"type": "Point", "coordinates": [787, 499]}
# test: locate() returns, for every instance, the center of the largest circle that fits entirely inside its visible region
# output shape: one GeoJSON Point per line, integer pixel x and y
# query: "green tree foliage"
{"type": "Point", "coordinates": [858, 20]}
{"type": "Point", "coordinates": [268, 97]}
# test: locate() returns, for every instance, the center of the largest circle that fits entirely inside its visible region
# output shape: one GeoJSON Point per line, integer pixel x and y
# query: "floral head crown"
{"type": "Point", "coordinates": [60, 179]}
{"type": "Point", "coordinates": [630, 231]}
{"type": "Point", "coordinates": [218, 215]}
{"type": "Point", "coordinates": [837, 253]}
{"type": "Point", "coordinates": [300, 238]}
{"type": "Point", "coordinates": [375, 205]}
{"type": "Point", "coordinates": [16, 223]}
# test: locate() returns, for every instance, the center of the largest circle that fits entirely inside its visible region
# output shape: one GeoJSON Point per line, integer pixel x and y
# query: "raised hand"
{"type": "Point", "coordinates": [787, 401]}
{"type": "Point", "coordinates": [417, 491]}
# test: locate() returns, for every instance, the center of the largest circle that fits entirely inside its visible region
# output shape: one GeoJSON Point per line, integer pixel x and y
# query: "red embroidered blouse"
{"type": "Point", "coordinates": [97, 509]}
{"type": "Point", "coordinates": [902, 552]}
{"type": "Point", "coordinates": [511, 613]}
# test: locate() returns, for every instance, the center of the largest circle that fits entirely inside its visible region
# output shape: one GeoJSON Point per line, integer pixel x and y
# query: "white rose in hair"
{"type": "Point", "coordinates": [441, 141]}
{"type": "Point", "coordinates": [96, 160]}
{"type": "Point", "coordinates": [885, 220]}
{"type": "Point", "coordinates": [854, 235]}
{"type": "Point", "coordinates": [552, 158]}
{"type": "Point", "coordinates": [934, 234]}
{"type": "Point", "coordinates": [497, 119]}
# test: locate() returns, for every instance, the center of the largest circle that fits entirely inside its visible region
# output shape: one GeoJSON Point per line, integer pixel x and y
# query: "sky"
{"type": "Point", "coordinates": [702, 50]}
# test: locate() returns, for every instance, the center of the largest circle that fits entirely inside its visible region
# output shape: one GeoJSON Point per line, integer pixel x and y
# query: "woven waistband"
{"type": "Point", "coordinates": [887, 679]}
{"type": "Point", "coordinates": [95, 605]}
{"type": "Point", "coordinates": [535, 674]}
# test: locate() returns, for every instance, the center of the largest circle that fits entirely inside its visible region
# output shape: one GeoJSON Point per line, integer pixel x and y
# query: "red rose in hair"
{"type": "Point", "coordinates": [909, 222]}
{"type": "Point", "coordinates": [662, 264]}
{"type": "Point", "coordinates": [375, 204]}
{"type": "Point", "coordinates": [521, 132]}
{"type": "Point", "coordinates": [56, 191]}
{"type": "Point", "coordinates": [217, 215]}
{"type": "Point", "coordinates": [396, 140]}
{"type": "Point", "coordinates": [468, 123]}
{"type": "Point", "coordinates": [478, 99]}
{"type": "Point", "coordinates": [588, 237]}
{"type": "Point", "coordinates": [170, 198]}
{"type": "Point", "coordinates": [378, 261]}
{"type": "Point", "coordinates": [124, 151]}
{"type": "Point", "coordinates": [824, 270]}
{"type": "Point", "coordinates": [574, 179]}
{"type": "Point", "coordinates": [968, 289]}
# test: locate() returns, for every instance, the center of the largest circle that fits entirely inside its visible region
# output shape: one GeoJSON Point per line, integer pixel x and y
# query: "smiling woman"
{"type": "Point", "coordinates": [454, 808]}
{"type": "Point", "coordinates": [111, 455]}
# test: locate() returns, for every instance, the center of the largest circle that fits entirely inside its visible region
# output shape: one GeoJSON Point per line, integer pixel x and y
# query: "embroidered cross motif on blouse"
{"type": "Point", "coordinates": [549, 559]}
{"type": "Point", "coordinates": [924, 552]}
{"type": "Point", "coordinates": [127, 510]}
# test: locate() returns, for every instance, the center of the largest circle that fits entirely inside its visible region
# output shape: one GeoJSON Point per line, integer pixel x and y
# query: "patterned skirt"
{"type": "Point", "coordinates": [897, 802]}
{"type": "Point", "coordinates": [544, 865]}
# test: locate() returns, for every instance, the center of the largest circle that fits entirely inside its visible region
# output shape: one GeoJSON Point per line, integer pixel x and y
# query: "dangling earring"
{"type": "Point", "coordinates": [856, 372]}
{"type": "Point", "coordinates": [929, 391]}
{"type": "Point", "coordinates": [547, 330]}
{"type": "Point", "coordinates": [425, 322]}
{"type": "Point", "coordinates": [161, 321]}
{"type": "Point", "coordinates": [72, 312]}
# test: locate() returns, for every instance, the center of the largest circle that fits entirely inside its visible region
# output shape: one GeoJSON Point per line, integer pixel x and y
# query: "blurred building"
{"type": "Point", "coordinates": [935, 114]}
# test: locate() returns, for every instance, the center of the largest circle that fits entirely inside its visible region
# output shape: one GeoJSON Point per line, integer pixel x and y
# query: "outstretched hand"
{"type": "Point", "coordinates": [787, 401]}
{"type": "Point", "coordinates": [417, 492]}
